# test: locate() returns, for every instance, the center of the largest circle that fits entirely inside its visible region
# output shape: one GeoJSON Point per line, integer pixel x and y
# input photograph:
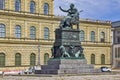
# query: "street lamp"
{"type": "Point", "coordinates": [38, 64]}
{"type": "Point", "coordinates": [38, 67]}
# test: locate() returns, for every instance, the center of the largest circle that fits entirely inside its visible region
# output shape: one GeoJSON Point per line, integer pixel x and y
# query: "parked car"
{"type": "Point", "coordinates": [105, 69]}
{"type": "Point", "coordinates": [28, 71]}
{"type": "Point", "coordinates": [12, 72]}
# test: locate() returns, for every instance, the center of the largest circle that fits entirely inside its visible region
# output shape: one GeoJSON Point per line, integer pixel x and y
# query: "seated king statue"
{"type": "Point", "coordinates": [71, 19]}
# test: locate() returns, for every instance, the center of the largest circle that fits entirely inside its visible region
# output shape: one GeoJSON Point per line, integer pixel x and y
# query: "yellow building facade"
{"type": "Point", "coordinates": [27, 24]}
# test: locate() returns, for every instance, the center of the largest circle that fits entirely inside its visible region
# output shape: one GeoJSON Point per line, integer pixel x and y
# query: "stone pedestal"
{"type": "Point", "coordinates": [67, 55]}
{"type": "Point", "coordinates": [67, 42]}
{"type": "Point", "coordinates": [67, 66]}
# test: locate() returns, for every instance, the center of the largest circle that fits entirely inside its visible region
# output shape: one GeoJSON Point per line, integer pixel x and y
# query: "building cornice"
{"type": "Point", "coordinates": [48, 42]}
{"type": "Point", "coordinates": [50, 17]}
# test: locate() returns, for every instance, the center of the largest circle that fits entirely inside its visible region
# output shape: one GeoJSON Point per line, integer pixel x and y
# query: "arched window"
{"type": "Point", "coordinates": [102, 37]}
{"type": "Point", "coordinates": [46, 8]}
{"type": "Point", "coordinates": [92, 36]}
{"type": "Point", "coordinates": [46, 33]}
{"type": "Point", "coordinates": [46, 58]}
{"type": "Point", "coordinates": [32, 32]}
{"type": "Point", "coordinates": [32, 7]}
{"type": "Point", "coordinates": [17, 59]}
{"type": "Point", "coordinates": [2, 59]}
{"type": "Point", "coordinates": [82, 35]}
{"type": "Point", "coordinates": [32, 59]}
{"type": "Point", "coordinates": [102, 59]}
{"type": "Point", "coordinates": [92, 59]}
{"type": "Point", "coordinates": [2, 30]}
{"type": "Point", "coordinates": [17, 5]}
{"type": "Point", "coordinates": [2, 4]}
{"type": "Point", "coordinates": [17, 31]}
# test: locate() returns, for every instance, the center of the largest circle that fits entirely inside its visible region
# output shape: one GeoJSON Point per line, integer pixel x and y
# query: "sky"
{"type": "Point", "coordinates": [92, 9]}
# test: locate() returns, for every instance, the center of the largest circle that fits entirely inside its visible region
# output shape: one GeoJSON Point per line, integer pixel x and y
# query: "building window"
{"type": "Point", "coordinates": [82, 35]}
{"type": "Point", "coordinates": [116, 52]}
{"type": "Point", "coordinates": [17, 5]}
{"type": "Point", "coordinates": [118, 39]}
{"type": "Point", "coordinates": [92, 34]}
{"type": "Point", "coordinates": [46, 33]}
{"type": "Point", "coordinates": [118, 32]}
{"type": "Point", "coordinates": [92, 59]}
{"type": "Point", "coordinates": [32, 7]}
{"type": "Point", "coordinates": [118, 64]}
{"type": "Point", "coordinates": [32, 59]}
{"type": "Point", "coordinates": [32, 32]}
{"type": "Point", "coordinates": [46, 58]}
{"type": "Point", "coordinates": [2, 59]}
{"type": "Point", "coordinates": [17, 59]}
{"type": "Point", "coordinates": [18, 31]}
{"type": "Point", "coordinates": [2, 30]}
{"type": "Point", "coordinates": [2, 4]}
{"type": "Point", "coordinates": [102, 59]}
{"type": "Point", "coordinates": [46, 8]}
{"type": "Point", "coordinates": [102, 37]}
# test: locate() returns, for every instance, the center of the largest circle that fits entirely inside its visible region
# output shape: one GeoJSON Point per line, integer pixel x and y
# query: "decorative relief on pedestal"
{"type": "Point", "coordinates": [70, 36]}
{"type": "Point", "coordinates": [68, 52]}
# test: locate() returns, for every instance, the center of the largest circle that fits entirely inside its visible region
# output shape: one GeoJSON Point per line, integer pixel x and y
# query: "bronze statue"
{"type": "Point", "coordinates": [64, 52]}
{"type": "Point", "coordinates": [67, 44]}
{"type": "Point", "coordinates": [71, 19]}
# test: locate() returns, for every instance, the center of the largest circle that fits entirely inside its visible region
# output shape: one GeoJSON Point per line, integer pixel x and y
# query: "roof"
{"type": "Point", "coordinates": [115, 24]}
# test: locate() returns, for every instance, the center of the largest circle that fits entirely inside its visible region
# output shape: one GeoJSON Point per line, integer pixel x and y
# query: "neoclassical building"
{"type": "Point", "coordinates": [116, 44]}
{"type": "Point", "coordinates": [27, 24]}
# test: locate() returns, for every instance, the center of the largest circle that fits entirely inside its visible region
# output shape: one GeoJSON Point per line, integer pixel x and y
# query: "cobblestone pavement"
{"type": "Point", "coordinates": [78, 77]}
